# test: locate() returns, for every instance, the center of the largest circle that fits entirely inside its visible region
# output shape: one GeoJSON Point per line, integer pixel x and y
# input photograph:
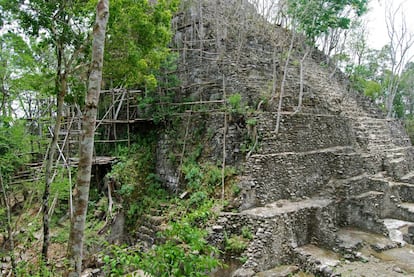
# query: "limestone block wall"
{"type": "Point", "coordinates": [303, 132]}
{"type": "Point", "coordinates": [277, 233]}
{"type": "Point", "coordinates": [298, 175]}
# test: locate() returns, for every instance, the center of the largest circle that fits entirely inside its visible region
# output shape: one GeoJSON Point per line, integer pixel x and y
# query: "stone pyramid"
{"type": "Point", "coordinates": [337, 179]}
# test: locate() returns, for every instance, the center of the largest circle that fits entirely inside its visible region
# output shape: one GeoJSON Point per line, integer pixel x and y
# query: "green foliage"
{"type": "Point", "coordinates": [235, 245]}
{"type": "Point", "coordinates": [406, 90]}
{"type": "Point", "coordinates": [60, 189]}
{"type": "Point", "coordinates": [246, 233]}
{"type": "Point", "coordinates": [206, 176]}
{"type": "Point", "coordinates": [17, 61]}
{"type": "Point", "coordinates": [409, 126]}
{"type": "Point", "coordinates": [251, 121]}
{"type": "Point", "coordinates": [372, 89]}
{"type": "Point", "coordinates": [13, 143]}
{"type": "Point", "coordinates": [398, 105]}
{"type": "Point", "coordinates": [25, 268]}
{"type": "Point", "coordinates": [193, 174]}
{"type": "Point", "coordinates": [135, 162]}
{"type": "Point", "coordinates": [236, 104]}
{"type": "Point", "coordinates": [185, 253]}
{"type": "Point", "coordinates": [235, 190]}
{"type": "Point", "coordinates": [316, 17]}
{"type": "Point", "coordinates": [138, 34]}
{"type": "Point", "coordinates": [235, 101]}
{"type": "Point", "coordinates": [134, 174]}
{"type": "Point", "coordinates": [57, 32]}
{"type": "Point", "coordinates": [197, 199]}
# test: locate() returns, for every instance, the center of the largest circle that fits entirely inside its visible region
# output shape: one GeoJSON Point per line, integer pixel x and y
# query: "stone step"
{"type": "Point", "coordinates": [397, 160]}
{"type": "Point", "coordinates": [147, 230]}
{"type": "Point", "coordinates": [280, 271]}
{"type": "Point", "coordinates": [286, 206]}
{"type": "Point", "coordinates": [334, 149]}
{"type": "Point", "coordinates": [351, 241]}
{"type": "Point", "coordinates": [156, 220]}
{"type": "Point", "coordinates": [394, 154]}
{"type": "Point", "coordinates": [391, 151]}
{"type": "Point", "coordinates": [404, 191]}
{"type": "Point", "coordinates": [316, 260]}
{"type": "Point", "coordinates": [374, 129]}
{"type": "Point", "coordinates": [369, 254]}
{"type": "Point", "coordinates": [368, 194]}
{"type": "Point", "coordinates": [364, 210]}
{"type": "Point", "coordinates": [397, 167]}
{"type": "Point", "coordinates": [146, 239]}
{"type": "Point", "coordinates": [281, 226]}
{"type": "Point", "coordinates": [363, 185]}
{"type": "Point", "coordinates": [400, 231]}
{"type": "Point", "coordinates": [409, 177]}
{"type": "Point", "coordinates": [404, 211]}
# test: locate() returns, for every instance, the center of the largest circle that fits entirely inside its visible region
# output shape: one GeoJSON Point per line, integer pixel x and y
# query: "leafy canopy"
{"type": "Point", "coordinates": [316, 17]}
{"type": "Point", "coordinates": [138, 34]}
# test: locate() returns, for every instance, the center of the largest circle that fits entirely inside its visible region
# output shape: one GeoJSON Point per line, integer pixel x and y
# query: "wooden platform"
{"type": "Point", "coordinates": [98, 160]}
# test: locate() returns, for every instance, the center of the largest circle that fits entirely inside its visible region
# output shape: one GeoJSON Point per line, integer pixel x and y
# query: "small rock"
{"type": "Point", "coordinates": [280, 271]}
{"type": "Point", "coordinates": [183, 195]}
{"type": "Point", "coordinates": [326, 270]}
{"type": "Point", "coordinates": [397, 269]}
{"type": "Point", "coordinates": [217, 228]}
{"type": "Point", "coordinates": [242, 272]}
{"type": "Point", "coordinates": [222, 220]}
{"type": "Point", "coordinates": [349, 257]}
{"type": "Point", "coordinates": [361, 257]}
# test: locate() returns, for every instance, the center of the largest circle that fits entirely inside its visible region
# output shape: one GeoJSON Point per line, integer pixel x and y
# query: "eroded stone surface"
{"type": "Point", "coordinates": [280, 271]}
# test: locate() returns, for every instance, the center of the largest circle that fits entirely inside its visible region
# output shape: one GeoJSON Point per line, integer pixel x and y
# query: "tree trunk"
{"type": "Point", "coordinates": [62, 85]}
{"type": "Point", "coordinates": [301, 79]}
{"type": "Point", "coordinates": [282, 85]}
{"type": "Point", "coordinates": [75, 244]}
{"type": "Point", "coordinates": [9, 225]}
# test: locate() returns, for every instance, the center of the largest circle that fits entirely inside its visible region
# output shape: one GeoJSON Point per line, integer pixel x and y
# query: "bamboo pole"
{"type": "Point", "coordinates": [224, 142]}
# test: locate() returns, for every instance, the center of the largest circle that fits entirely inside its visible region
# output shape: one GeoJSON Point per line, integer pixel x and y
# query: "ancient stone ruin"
{"type": "Point", "coordinates": [333, 187]}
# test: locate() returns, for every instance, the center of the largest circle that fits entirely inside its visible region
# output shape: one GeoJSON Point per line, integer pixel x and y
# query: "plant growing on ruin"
{"type": "Point", "coordinates": [246, 233]}
{"type": "Point", "coordinates": [184, 253]}
{"type": "Point", "coordinates": [235, 244]}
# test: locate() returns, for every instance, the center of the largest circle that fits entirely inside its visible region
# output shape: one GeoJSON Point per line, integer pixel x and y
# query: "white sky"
{"type": "Point", "coordinates": [376, 20]}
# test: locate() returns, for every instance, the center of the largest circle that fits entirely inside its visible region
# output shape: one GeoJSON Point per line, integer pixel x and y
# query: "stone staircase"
{"type": "Point", "coordinates": [327, 169]}
{"type": "Point", "coordinates": [146, 235]}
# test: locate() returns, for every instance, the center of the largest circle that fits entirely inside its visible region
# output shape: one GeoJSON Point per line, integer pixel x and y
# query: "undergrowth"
{"type": "Point", "coordinates": [185, 250]}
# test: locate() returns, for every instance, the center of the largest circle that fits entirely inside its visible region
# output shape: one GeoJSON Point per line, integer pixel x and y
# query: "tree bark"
{"type": "Point", "coordinates": [9, 225]}
{"type": "Point", "coordinates": [282, 85]}
{"type": "Point", "coordinates": [61, 84]}
{"type": "Point", "coordinates": [75, 244]}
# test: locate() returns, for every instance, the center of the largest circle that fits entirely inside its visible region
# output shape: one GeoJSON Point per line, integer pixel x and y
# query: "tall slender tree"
{"type": "Point", "coordinates": [57, 26]}
{"type": "Point", "coordinates": [401, 40]}
{"type": "Point", "coordinates": [313, 19]}
{"type": "Point", "coordinates": [76, 236]}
